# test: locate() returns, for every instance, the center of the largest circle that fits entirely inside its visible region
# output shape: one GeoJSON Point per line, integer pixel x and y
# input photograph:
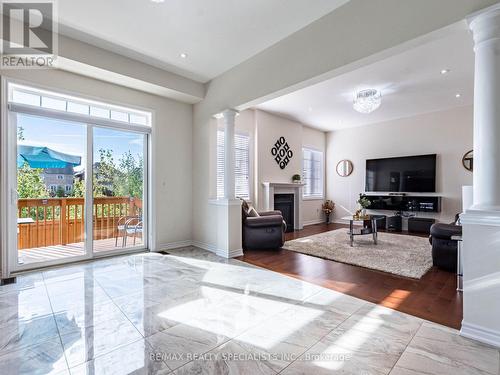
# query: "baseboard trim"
{"type": "Point", "coordinates": [201, 245]}
{"type": "Point", "coordinates": [478, 333]}
{"type": "Point", "coordinates": [216, 251]}
{"type": "Point", "coordinates": [205, 246]}
{"type": "Point", "coordinates": [313, 222]}
{"type": "Point", "coordinates": [232, 253]}
{"type": "Point", "coordinates": [174, 245]}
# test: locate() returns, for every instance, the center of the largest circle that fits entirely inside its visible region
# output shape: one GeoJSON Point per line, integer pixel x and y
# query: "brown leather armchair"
{"type": "Point", "coordinates": [266, 231]}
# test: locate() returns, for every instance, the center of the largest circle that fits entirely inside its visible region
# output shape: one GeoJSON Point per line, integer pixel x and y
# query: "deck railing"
{"type": "Point", "coordinates": [60, 221]}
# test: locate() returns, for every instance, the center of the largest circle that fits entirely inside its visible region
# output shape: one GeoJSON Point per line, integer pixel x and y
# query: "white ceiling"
{"type": "Point", "coordinates": [411, 84]}
{"type": "Point", "coordinates": [215, 34]}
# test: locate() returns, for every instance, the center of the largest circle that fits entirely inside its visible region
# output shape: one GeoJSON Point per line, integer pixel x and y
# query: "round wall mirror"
{"type": "Point", "coordinates": [468, 161]}
{"type": "Point", "coordinates": [344, 168]}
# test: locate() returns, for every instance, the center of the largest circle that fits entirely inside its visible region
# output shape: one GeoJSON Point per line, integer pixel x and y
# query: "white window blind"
{"type": "Point", "coordinates": [312, 173]}
{"type": "Point", "coordinates": [242, 165]}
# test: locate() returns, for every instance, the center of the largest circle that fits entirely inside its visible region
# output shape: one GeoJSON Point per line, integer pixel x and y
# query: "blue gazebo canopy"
{"type": "Point", "coordinates": [44, 157]}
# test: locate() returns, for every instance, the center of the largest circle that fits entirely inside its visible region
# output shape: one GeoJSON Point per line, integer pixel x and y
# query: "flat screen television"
{"type": "Point", "coordinates": [408, 174]}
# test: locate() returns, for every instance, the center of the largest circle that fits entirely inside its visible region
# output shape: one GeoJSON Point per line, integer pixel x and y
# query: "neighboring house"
{"type": "Point", "coordinates": [56, 178]}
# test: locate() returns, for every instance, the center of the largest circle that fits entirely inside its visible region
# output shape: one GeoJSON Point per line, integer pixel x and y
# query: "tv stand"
{"type": "Point", "coordinates": [399, 202]}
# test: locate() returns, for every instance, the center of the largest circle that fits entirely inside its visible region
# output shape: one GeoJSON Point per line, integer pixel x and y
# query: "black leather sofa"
{"type": "Point", "coordinates": [444, 249]}
{"type": "Point", "coordinates": [266, 231]}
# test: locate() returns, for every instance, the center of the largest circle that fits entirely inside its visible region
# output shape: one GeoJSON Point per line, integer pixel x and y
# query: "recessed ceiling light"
{"type": "Point", "coordinates": [183, 55]}
{"type": "Point", "coordinates": [445, 71]}
{"type": "Point", "coordinates": [158, 1]}
{"type": "Point", "coordinates": [458, 96]}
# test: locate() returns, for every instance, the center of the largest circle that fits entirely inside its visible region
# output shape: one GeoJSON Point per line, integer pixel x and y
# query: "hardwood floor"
{"type": "Point", "coordinates": [433, 297]}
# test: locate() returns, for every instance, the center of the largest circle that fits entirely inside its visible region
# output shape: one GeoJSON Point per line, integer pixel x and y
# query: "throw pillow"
{"type": "Point", "coordinates": [244, 204]}
{"type": "Point", "coordinates": [252, 212]}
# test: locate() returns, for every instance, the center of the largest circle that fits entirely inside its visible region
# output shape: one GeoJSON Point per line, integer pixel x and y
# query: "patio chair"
{"type": "Point", "coordinates": [121, 228]}
{"type": "Point", "coordinates": [133, 230]}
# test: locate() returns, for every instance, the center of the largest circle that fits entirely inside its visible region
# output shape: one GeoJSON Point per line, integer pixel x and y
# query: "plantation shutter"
{"type": "Point", "coordinates": [242, 165]}
{"type": "Point", "coordinates": [312, 173]}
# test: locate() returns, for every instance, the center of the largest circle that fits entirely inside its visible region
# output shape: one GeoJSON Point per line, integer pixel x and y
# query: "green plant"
{"type": "Point", "coordinates": [364, 202]}
{"type": "Point", "coordinates": [296, 177]}
{"type": "Point", "coordinates": [30, 183]}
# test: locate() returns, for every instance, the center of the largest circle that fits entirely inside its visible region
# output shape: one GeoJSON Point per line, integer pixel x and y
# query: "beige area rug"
{"type": "Point", "coordinates": [401, 255]}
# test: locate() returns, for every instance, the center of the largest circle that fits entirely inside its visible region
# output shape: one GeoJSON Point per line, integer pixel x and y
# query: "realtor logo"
{"type": "Point", "coordinates": [28, 34]}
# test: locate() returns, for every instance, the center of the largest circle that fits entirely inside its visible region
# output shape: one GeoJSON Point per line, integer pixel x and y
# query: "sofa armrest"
{"type": "Point", "coordinates": [269, 213]}
{"type": "Point", "coordinates": [264, 221]}
{"type": "Point", "coordinates": [445, 231]}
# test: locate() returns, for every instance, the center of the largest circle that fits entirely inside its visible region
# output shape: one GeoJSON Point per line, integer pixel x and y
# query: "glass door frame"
{"type": "Point", "coordinates": [89, 201]}
{"type": "Point", "coordinates": [8, 188]}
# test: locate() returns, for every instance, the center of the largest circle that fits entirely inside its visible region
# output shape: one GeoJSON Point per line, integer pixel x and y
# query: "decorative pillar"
{"type": "Point", "coordinates": [481, 223]}
{"type": "Point", "coordinates": [229, 241]}
{"type": "Point", "coordinates": [229, 116]}
{"type": "Point", "coordinates": [486, 33]}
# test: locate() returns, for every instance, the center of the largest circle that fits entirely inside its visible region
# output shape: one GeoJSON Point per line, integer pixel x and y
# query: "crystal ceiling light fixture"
{"type": "Point", "coordinates": [367, 101]}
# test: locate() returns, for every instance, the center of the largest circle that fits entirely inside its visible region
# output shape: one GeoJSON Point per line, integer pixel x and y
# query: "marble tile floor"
{"type": "Point", "coordinates": [191, 312]}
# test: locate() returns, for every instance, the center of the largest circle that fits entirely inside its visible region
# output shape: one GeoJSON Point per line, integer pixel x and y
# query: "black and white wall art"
{"type": "Point", "coordinates": [282, 152]}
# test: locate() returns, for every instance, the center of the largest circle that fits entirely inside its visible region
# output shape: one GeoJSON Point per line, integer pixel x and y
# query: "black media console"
{"type": "Point", "coordinates": [399, 202]}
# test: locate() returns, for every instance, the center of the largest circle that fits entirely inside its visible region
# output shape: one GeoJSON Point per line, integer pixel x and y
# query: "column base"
{"type": "Point", "coordinates": [478, 333]}
{"type": "Point", "coordinates": [481, 275]}
{"type": "Point", "coordinates": [229, 231]}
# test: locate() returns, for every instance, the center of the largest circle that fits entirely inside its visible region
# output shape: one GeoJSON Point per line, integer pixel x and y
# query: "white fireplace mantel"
{"type": "Point", "coordinates": [271, 188]}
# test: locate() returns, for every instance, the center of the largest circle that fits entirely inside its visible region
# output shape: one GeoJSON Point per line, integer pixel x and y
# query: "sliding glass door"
{"type": "Point", "coordinates": [50, 222]}
{"type": "Point", "coordinates": [118, 173]}
{"type": "Point", "coordinates": [77, 179]}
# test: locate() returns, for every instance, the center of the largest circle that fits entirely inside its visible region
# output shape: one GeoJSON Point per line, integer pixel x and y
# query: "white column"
{"type": "Point", "coordinates": [229, 116]}
{"type": "Point", "coordinates": [228, 209]}
{"type": "Point", "coordinates": [481, 223]}
{"type": "Point", "coordinates": [486, 33]}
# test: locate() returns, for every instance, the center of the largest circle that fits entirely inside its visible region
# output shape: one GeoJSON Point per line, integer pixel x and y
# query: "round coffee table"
{"type": "Point", "coordinates": [365, 226]}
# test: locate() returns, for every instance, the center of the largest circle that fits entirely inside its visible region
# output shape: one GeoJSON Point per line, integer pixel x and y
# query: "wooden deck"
{"type": "Point", "coordinates": [53, 228]}
{"type": "Point", "coordinates": [58, 252]}
{"type": "Point", "coordinates": [59, 221]}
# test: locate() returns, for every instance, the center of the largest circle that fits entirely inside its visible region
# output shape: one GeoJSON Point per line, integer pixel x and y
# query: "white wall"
{"type": "Point", "coordinates": [265, 129]}
{"type": "Point", "coordinates": [172, 147]}
{"type": "Point", "coordinates": [447, 134]}
{"type": "Point", "coordinates": [269, 129]}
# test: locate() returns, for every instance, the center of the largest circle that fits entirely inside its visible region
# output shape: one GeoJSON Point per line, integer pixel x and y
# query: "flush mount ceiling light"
{"type": "Point", "coordinates": [158, 1]}
{"type": "Point", "coordinates": [183, 55]}
{"type": "Point", "coordinates": [458, 96]}
{"type": "Point", "coordinates": [367, 101]}
{"type": "Point", "coordinates": [445, 71]}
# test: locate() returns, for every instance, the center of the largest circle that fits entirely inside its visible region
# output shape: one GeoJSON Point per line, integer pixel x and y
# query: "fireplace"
{"type": "Point", "coordinates": [285, 203]}
{"type": "Point", "coordinates": [291, 189]}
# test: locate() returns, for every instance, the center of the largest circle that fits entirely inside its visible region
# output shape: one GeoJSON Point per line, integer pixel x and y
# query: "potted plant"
{"type": "Point", "coordinates": [296, 178]}
{"type": "Point", "coordinates": [364, 203]}
{"type": "Point", "coordinates": [328, 208]}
